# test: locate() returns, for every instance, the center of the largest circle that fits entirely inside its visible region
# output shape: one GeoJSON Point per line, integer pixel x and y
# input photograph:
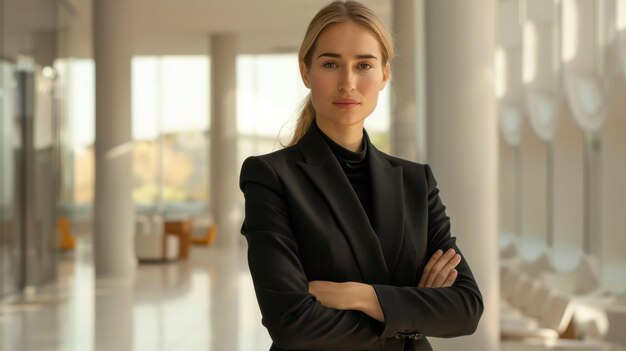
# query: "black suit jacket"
{"type": "Point", "coordinates": [304, 222]}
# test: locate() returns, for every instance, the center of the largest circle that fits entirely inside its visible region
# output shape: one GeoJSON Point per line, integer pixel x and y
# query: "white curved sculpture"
{"type": "Point", "coordinates": [589, 59]}
{"type": "Point", "coordinates": [511, 123]}
{"type": "Point", "coordinates": [587, 96]}
{"type": "Point", "coordinates": [509, 87]}
{"type": "Point", "coordinates": [543, 111]}
{"type": "Point", "coordinates": [542, 65]}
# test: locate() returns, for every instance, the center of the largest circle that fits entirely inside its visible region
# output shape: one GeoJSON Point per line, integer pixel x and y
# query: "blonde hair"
{"type": "Point", "coordinates": [337, 12]}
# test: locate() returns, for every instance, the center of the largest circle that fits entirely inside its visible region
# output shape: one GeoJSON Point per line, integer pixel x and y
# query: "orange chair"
{"type": "Point", "coordinates": [209, 238]}
{"type": "Point", "coordinates": [67, 240]}
{"type": "Point", "coordinates": [182, 229]}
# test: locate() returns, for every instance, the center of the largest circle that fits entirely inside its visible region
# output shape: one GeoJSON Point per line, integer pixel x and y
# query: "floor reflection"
{"type": "Point", "coordinates": [204, 303]}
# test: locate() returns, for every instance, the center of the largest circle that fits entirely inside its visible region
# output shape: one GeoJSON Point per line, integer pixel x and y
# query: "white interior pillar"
{"type": "Point", "coordinates": [462, 143]}
{"type": "Point", "coordinates": [113, 210]}
{"type": "Point", "coordinates": [613, 174]}
{"type": "Point", "coordinates": [568, 190]}
{"type": "Point", "coordinates": [408, 127]}
{"type": "Point", "coordinates": [533, 154]}
{"type": "Point", "coordinates": [224, 190]}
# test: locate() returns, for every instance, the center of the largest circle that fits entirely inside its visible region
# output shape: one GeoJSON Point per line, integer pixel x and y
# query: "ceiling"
{"type": "Point", "coordinates": [265, 26]}
{"type": "Point", "coordinates": [183, 27]}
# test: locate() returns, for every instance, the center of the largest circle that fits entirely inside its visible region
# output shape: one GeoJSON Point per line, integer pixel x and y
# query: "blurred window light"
{"type": "Point", "coordinates": [145, 90]}
{"type": "Point", "coordinates": [269, 93]}
{"type": "Point", "coordinates": [378, 123]}
{"type": "Point", "coordinates": [530, 52]}
{"type": "Point", "coordinates": [185, 95]}
{"type": "Point", "coordinates": [501, 69]}
{"type": "Point", "coordinates": [170, 112]}
{"type": "Point", "coordinates": [170, 94]}
{"type": "Point", "coordinates": [82, 103]}
{"type": "Point", "coordinates": [570, 29]}
{"type": "Point", "coordinates": [621, 15]}
{"type": "Point", "coordinates": [76, 85]}
{"type": "Point", "coordinates": [48, 72]}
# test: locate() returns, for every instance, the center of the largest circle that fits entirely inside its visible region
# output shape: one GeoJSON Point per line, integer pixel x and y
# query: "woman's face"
{"type": "Point", "coordinates": [346, 74]}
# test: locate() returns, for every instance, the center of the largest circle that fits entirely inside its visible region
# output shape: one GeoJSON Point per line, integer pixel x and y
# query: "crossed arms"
{"type": "Point", "coordinates": [315, 315]}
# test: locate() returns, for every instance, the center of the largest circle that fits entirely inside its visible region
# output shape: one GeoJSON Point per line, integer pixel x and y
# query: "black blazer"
{"type": "Point", "coordinates": [304, 222]}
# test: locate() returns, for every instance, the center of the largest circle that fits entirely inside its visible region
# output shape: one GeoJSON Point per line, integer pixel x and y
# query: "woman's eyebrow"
{"type": "Point", "coordinates": [335, 55]}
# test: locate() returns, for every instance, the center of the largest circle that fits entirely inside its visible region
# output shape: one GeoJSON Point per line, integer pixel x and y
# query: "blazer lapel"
{"type": "Point", "coordinates": [325, 172]}
{"type": "Point", "coordinates": [388, 200]}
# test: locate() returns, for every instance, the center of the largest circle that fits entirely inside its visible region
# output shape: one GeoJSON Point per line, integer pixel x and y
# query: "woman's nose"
{"type": "Point", "coordinates": [347, 82]}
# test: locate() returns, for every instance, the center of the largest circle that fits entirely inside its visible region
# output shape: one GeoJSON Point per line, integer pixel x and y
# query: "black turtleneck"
{"type": "Point", "coordinates": [355, 166]}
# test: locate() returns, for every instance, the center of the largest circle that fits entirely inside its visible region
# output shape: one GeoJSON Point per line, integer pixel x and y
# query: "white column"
{"type": "Point", "coordinates": [408, 126]}
{"type": "Point", "coordinates": [224, 190]}
{"type": "Point", "coordinates": [113, 210]}
{"type": "Point", "coordinates": [593, 237]}
{"type": "Point", "coordinates": [463, 146]}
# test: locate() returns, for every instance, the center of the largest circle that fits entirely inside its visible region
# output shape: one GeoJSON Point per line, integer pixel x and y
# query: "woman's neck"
{"type": "Point", "coordinates": [350, 137]}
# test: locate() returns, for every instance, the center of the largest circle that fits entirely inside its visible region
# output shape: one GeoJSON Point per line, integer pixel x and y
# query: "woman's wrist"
{"type": "Point", "coordinates": [360, 296]}
{"type": "Point", "coordinates": [366, 301]}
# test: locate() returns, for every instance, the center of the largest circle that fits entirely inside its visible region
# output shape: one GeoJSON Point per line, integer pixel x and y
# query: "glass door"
{"type": "Point", "coordinates": [29, 179]}
{"type": "Point", "coordinates": [10, 247]}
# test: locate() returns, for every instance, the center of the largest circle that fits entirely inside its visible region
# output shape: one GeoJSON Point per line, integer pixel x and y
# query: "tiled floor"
{"type": "Point", "coordinates": [205, 303]}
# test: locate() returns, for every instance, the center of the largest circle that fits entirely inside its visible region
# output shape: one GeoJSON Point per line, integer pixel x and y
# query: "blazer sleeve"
{"type": "Point", "coordinates": [293, 317]}
{"type": "Point", "coordinates": [439, 312]}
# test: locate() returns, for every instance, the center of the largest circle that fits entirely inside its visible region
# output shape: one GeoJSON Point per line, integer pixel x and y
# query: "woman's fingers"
{"type": "Point", "coordinates": [435, 257]}
{"type": "Point", "coordinates": [451, 279]}
{"type": "Point", "coordinates": [440, 270]}
{"type": "Point", "coordinates": [437, 267]}
{"type": "Point", "coordinates": [443, 274]}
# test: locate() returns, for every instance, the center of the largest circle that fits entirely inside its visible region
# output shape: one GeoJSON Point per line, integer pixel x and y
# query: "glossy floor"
{"type": "Point", "coordinates": [204, 303]}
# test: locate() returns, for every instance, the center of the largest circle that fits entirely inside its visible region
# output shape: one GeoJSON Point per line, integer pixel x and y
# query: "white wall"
{"type": "Point", "coordinates": [507, 189]}
{"type": "Point", "coordinates": [614, 180]}
{"type": "Point", "coordinates": [534, 187]}
{"type": "Point", "coordinates": [568, 182]}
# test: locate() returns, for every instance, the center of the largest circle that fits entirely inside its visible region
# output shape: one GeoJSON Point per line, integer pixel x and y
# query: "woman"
{"type": "Point", "coordinates": [350, 248]}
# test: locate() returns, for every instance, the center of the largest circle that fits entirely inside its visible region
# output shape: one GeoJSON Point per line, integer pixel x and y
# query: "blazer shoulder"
{"type": "Point", "coordinates": [267, 167]}
{"type": "Point", "coordinates": [275, 158]}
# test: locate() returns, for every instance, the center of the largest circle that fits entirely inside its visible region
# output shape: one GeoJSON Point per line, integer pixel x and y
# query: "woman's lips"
{"type": "Point", "coordinates": [346, 103]}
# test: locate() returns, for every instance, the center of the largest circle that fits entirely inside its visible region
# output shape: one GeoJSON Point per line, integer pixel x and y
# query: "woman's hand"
{"type": "Point", "coordinates": [331, 294]}
{"type": "Point", "coordinates": [348, 296]}
{"type": "Point", "coordinates": [439, 271]}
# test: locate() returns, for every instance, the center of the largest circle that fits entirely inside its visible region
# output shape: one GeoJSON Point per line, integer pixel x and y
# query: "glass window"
{"type": "Point", "coordinates": [76, 91]}
{"type": "Point", "coordinates": [170, 129]}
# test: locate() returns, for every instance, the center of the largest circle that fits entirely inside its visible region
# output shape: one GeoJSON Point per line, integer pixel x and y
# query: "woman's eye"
{"type": "Point", "coordinates": [329, 65]}
{"type": "Point", "coordinates": [364, 66]}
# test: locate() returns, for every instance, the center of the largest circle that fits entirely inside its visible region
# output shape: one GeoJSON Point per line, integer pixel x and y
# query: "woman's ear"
{"type": "Point", "coordinates": [386, 75]}
{"type": "Point", "coordinates": [304, 72]}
